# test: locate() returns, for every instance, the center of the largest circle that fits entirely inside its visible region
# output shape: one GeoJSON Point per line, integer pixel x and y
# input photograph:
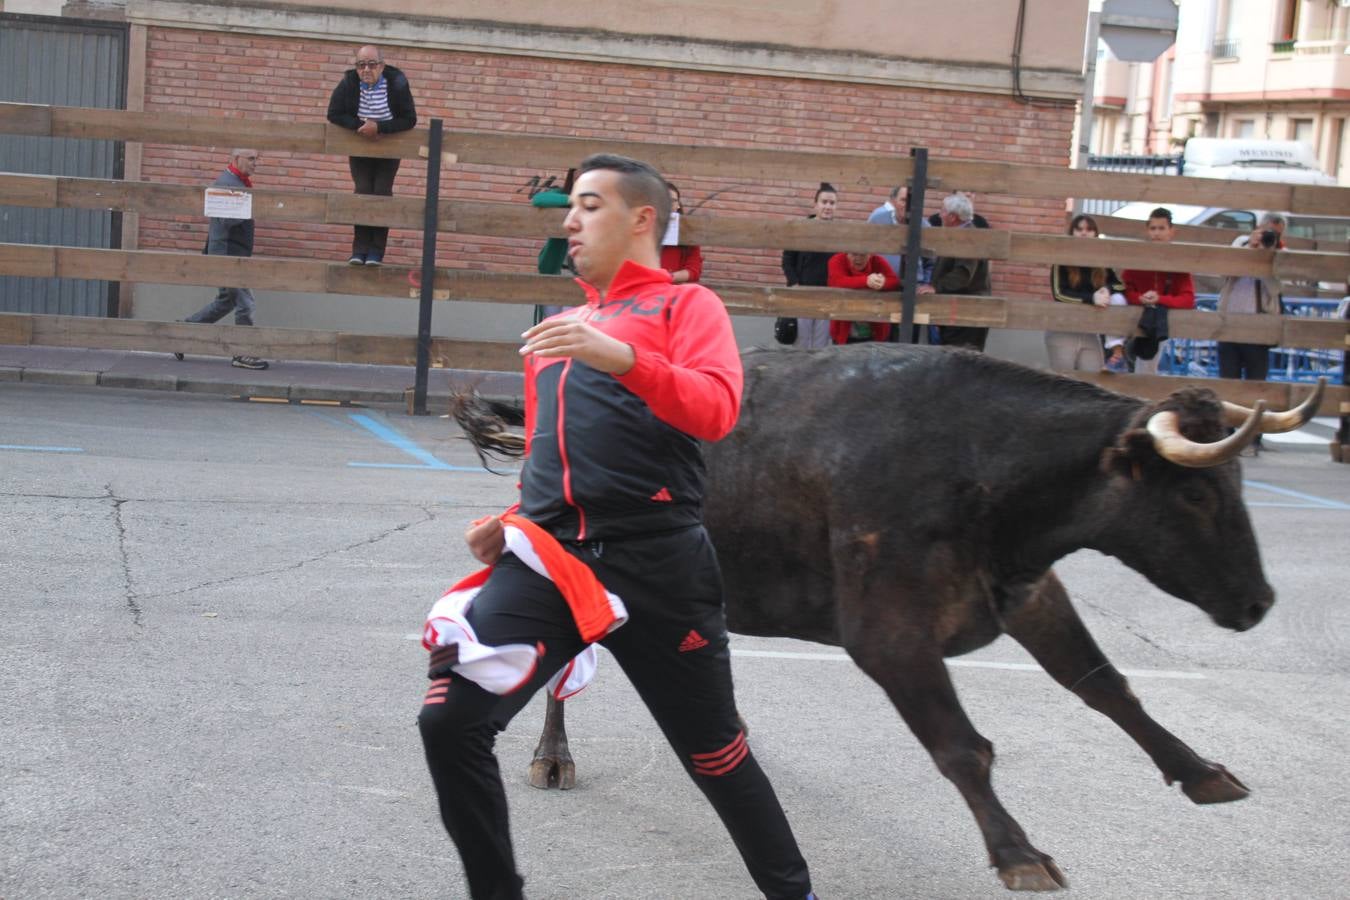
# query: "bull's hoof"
{"type": "Point", "coordinates": [1218, 785]}
{"type": "Point", "coordinates": [548, 773]}
{"type": "Point", "coordinates": [1033, 876]}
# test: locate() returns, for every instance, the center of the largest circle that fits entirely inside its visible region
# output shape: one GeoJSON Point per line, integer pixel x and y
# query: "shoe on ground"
{"type": "Point", "coordinates": [178, 356]}
{"type": "Point", "coordinates": [248, 362]}
{"type": "Point", "coordinates": [358, 259]}
{"type": "Point", "coordinates": [373, 260]}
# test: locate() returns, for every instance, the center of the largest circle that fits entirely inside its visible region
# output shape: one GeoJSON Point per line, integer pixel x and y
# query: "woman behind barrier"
{"type": "Point", "coordinates": [1100, 287]}
{"type": "Point", "coordinates": [684, 262]}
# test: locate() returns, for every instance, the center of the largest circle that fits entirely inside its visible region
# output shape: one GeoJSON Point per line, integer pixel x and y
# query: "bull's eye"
{"type": "Point", "coordinates": [1193, 495]}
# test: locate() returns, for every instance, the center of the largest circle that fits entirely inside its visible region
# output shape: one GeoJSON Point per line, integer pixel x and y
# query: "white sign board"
{"type": "Point", "coordinates": [225, 203]}
{"type": "Point", "coordinates": [672, 238]}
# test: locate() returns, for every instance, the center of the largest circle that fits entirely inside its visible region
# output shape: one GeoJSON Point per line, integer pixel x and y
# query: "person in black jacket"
{"type": "Point", "coordinates": [372, 99]}
{"type": "Point", "coordinates": [809, 268]}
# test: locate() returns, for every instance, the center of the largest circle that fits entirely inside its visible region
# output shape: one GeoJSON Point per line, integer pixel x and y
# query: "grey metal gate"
{"type": "Point", "coordinates": [1141, 165]}
{"type": "Point", "coordinates": [62, 62]}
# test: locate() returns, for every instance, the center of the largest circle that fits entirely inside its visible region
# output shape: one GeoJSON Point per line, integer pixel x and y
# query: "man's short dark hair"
{"type": "Point", "coordinates": [1162, 212]}
{"type": "Point", "coordinates": [639, 185]}
{"type": "Point", "coordinates": [895, 191]}
{"type": "Point", "coordinates": [825, 188]}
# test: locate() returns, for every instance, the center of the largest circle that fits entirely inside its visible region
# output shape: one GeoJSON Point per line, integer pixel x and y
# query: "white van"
{"type": "Point", "coordinates": [1243, 159]}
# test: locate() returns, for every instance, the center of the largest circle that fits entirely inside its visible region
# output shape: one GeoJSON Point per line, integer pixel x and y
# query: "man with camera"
{"type": "Point", "coordinates": [1251, 295]}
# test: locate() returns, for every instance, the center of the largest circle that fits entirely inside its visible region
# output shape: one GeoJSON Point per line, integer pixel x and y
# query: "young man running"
{"type": "Point", "coordinates": [619, 392]}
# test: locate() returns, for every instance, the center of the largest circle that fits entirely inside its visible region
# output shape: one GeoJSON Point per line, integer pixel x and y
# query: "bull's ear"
{"type": "Point", "coordinates": [1132, 454]}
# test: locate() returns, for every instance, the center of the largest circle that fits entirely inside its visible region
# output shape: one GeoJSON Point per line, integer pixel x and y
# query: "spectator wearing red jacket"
{"type": "Point", "coordinates": [860, 271]}
{"type": "Point", "coordinates": [1169, 290]}
{"type": "Point", "coordinates": [684, 262]}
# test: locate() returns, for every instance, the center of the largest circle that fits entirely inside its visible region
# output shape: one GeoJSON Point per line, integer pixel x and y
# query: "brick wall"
{"type": "Point", "coordinates": [214, 73]}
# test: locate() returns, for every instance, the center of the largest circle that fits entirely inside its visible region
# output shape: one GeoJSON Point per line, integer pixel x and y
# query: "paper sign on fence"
{"type": "Point", "coordinates": [672, 238]}
{"type": "Point", "coordinates": [224, 203]}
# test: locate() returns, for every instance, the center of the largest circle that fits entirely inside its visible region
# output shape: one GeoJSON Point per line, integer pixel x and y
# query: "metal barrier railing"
{"type": "Point", "coordinates": [1200, 358]}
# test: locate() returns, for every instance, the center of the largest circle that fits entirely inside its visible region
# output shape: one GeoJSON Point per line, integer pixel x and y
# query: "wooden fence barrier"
{"type": "Point", "coordinates": [1203, 254]}
{"type": "Point", "coordinates": [323, 276]}
{"type": "Point", "coordinates": [23, 329]}
{"type": "Point", "coordinates": [521, 220]}
{"type": "Point", "coordinates": [524, 151]}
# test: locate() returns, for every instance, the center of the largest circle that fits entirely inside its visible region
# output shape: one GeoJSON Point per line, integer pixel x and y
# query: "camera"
{"type": "Point", "coordinates": [1269, 239]}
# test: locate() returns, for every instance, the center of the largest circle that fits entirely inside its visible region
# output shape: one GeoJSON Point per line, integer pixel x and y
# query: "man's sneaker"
{"type": "Point", "coordinates": [248, 362]}
{"type": "Point", "coordinates": [178, 356]}
{"type": "Point", "coordinates": [373, 259]}
{"type": "Point", "coordinates": [358, 259]}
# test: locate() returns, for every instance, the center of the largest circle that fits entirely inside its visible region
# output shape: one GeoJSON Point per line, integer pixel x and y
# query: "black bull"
{"type": "Point", "coordinates": [907, 503]}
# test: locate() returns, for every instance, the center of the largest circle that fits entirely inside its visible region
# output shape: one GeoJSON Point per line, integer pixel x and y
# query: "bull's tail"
{"type": "Point", "coordinates": [485, 423]}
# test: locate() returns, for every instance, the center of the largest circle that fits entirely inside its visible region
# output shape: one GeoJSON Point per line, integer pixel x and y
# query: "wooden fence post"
{"type": "Point", "coordinates": [429, 228]}
{"type": "Point", "coordinates": [910, 261]}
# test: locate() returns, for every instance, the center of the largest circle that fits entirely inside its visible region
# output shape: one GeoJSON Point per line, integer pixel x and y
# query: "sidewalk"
{"type": "Point", "coordinates": [283, 380]}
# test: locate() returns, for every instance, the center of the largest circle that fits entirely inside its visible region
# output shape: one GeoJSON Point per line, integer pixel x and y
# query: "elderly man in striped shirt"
{"type": "Point", "coordinates": [373, 99]}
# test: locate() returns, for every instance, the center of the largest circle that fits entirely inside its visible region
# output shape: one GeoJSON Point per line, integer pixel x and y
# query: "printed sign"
{"type": "Point", "coordinates": [672, 238]}
{"type": "Point", "coordinates": [225, 203]}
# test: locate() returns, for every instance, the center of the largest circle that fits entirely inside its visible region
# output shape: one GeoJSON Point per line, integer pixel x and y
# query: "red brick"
{"type": "Point", "coordinates": [502, 93]}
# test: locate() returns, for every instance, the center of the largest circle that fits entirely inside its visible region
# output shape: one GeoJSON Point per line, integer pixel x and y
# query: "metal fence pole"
{"type": "Point", "coordinates": [913, 244]}
{"type": "Point", "coordinates": [429, 228]}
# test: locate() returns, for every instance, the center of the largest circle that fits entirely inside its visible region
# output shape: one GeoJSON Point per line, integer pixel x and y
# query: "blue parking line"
{"type": "Point", "coordinates": [42, 449]}
{"type": "Point", "coordinates": [1311, 502]}
{"type": "Point", "coordinates": [387, 434]}
{"type": "Point", "coordinates": [441, 468]}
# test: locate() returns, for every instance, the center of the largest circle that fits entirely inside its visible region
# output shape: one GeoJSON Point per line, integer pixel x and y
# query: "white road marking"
{"type": "Point", "coordinates": [962, 663]}
{"type": "Point", "coordinates": [958, 663]}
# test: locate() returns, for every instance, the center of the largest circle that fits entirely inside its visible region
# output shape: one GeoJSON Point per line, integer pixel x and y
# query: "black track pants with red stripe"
{"type": "Point", "coordinates": [672, 586]}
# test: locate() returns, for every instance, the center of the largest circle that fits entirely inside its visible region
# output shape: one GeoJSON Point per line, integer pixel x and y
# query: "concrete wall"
{"type": "Point", "coordinates": [959, 44]}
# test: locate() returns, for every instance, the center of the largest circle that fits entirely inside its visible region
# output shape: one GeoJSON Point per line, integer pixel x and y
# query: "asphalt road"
{"type": "Point", "coordinates": [209, 678]}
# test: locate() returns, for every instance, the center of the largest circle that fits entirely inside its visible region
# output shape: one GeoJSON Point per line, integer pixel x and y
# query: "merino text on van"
{"type": "Point", "coordinates": [1242, 159]}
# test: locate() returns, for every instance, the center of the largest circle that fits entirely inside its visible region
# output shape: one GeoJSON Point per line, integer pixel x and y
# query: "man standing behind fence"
{"type": "Point", "coordinates": [232, 237]}
{"type": "Point", "coordinates": [1157, 292]}
{"type": "Point", "coordinates": [955, 275]}
{"type": "Point", "coordinates": [372, 99]}
{"type": "Point", "coordinates": [1255, 295]}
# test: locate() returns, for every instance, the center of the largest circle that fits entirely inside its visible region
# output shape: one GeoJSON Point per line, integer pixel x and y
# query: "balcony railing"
{"type": "Point", "coordinates": [1319, 48]}
{"type": "Point", "coordinates": [1278, 47]}
{"type": "Point", "coordinates": [1226, 49]}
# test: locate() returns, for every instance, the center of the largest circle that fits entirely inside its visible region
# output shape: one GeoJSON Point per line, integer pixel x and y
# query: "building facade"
{"type": "Point", "coordinates": [970, 80]}
{"type": "Point", "coordinates": [1261, 69]}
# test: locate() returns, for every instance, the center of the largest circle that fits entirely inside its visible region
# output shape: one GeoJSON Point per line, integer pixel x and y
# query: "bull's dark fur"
{"type": "Point", "coordinates": [907, 503]}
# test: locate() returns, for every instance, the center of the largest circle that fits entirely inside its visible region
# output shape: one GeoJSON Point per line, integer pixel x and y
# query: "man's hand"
{"type": "Point", "coordinates": [1149, 298]}
{"type": "Point", "coordinates": [486, 539]}
{"type": "Point", "coordinates": [876, 281]}
{"type": "Point", "coordinates": [1101, 296]}
{"type": "Point", "coordinates": [583, 342]}
{"type": "Point", "coordinates": [925, 289]}
{"type": "Point", "coordinates": [369, 128]}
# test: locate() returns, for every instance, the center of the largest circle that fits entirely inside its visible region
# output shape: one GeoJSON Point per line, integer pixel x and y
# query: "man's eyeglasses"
{"type": "Point", "coordinates": [369, 63]}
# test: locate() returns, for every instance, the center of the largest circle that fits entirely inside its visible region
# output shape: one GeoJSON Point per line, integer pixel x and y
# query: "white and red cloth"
{"type": "Point", "coordinates": [505, 668]}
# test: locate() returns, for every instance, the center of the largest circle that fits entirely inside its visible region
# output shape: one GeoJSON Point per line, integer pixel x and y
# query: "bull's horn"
{"type": "Point", "coordinates": [1279, 422]}
{"type": "Point", "coordinates": [1175, 447]}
